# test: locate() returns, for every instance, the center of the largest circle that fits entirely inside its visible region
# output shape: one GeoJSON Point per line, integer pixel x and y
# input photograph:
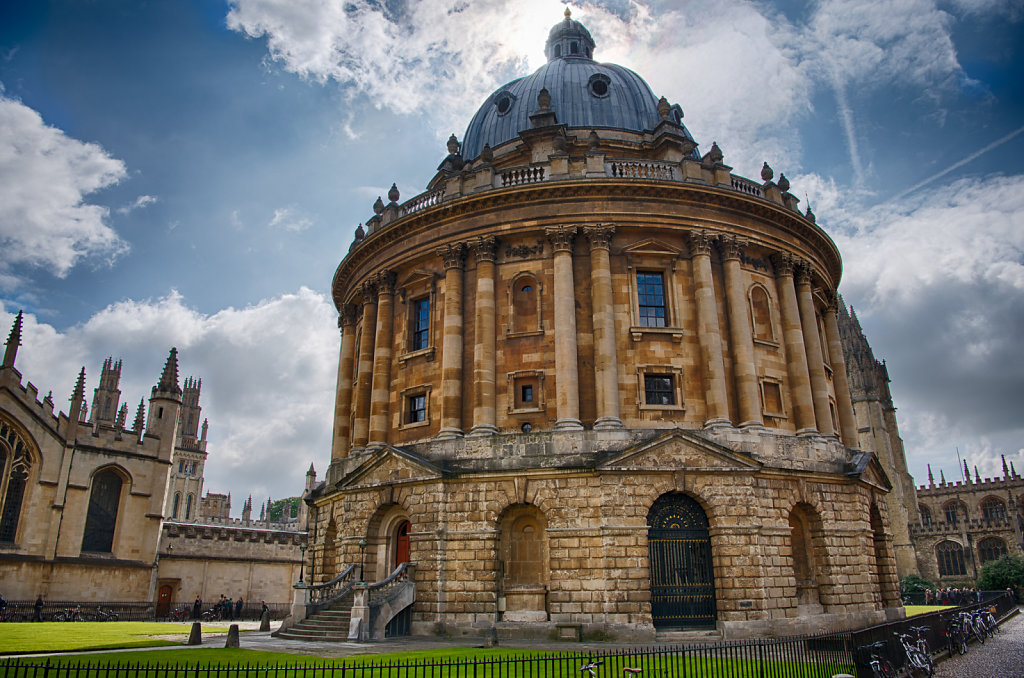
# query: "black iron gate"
{"type": "Point", "coordinates": [682, 578]}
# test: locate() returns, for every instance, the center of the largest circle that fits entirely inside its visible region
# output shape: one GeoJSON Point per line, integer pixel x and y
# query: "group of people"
{"type": "Point", "coordinates": [951, 596]}
{"type": "Point", "coordinates": [38, 607]}
{"type": "Point", "coordinates": [226, 608]}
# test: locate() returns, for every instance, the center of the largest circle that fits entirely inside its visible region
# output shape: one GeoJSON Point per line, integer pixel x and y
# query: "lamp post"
{"type": "Point", "coordinates": [302, 563]}
{"type": "Point", "coordinates": [362, 557]}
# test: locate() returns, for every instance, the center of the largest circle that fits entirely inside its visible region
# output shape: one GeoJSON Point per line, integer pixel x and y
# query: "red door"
{"type": "Point", "coordinates": [402, 544]}
{"type": "Point", "coordinates": [163, 603]}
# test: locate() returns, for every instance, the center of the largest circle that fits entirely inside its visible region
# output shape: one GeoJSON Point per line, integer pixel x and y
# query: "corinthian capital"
{"type": "Point", "coordinates": [452, 254]}
{"type": "Point", "coordinates": [561, 237]}
{"type": "Point", "coordinates": [599, 235]}
{"type": "Point", "coordinates": [385, 283]}
{"type": "Point", "coordinates": [485, 247]}
{"type": "Point", "coordinates": [784, 263]}
{"type": "Point", "coordinates": [700, 242]}
{"type": "Point", "coordinates": [349, 316]}
{"type": "Point", "coordinates": [731, 247]}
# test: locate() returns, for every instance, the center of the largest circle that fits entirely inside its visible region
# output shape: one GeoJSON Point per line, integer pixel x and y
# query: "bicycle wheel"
{"type": "Point", "coordinates": [979, 634]}
{"type": "Point", "coordinates": [60, 616]}
{"type": "Point", "coordinates": [962, 643]}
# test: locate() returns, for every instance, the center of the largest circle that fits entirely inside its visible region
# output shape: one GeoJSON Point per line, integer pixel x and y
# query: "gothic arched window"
{"type": "Point", "coordinates": [101, 520]}
{"type": "Point", "coordinates": [14, 469]}
{"type": "Point", "coordinates": [177, 501]}
{"type": "Point", "coordinates": [951, 559]}
{"type": "Point", "coordinates": [926, 516]}
{"type": "Point", "coordinates": [188, 508]}
{"type": "Point", "coordinates": [761, 314]}
{"type": "Point", "coordinates": [953, 512]}
{"type": "Point", "coordinates": [991, 548]}
{"type": "Point", "coordinates": [993, 509]}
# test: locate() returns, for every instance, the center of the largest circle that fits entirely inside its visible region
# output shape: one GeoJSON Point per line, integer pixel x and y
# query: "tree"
{"type": "Point", "coordinates": [283, 509]}
{"type": "Point", "coordinates": [913, 583]}
{"type": "Point", "coordinates": [1003, 573]}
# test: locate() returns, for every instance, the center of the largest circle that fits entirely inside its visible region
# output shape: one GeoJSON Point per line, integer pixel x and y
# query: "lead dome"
{"type": "Point", "coordinates": [584, 94]}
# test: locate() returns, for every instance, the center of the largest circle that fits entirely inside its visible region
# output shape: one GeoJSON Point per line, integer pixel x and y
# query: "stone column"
{"type": "Point", "coordinates": [606, 363]}
{"type": "Point", "coordinates": [343, 393]}
{"type": "Point", "coordinates": [708, 331]}
{"type": "Point", "coordinates": [742, 339]}
{"type": "Point", "coordinates": [567, 394]}
{"type": "Point", "coordinates": [380, 394]}
{"type": "Point", "coordinates": [364, 376]}
{"type": "Point", "coordinates": [812, 344]}
{"type": "Point", "coordinates": [453, 256]}
{"type": "Point", "coordinates": [844, 400]}
{"type": "Point", "coordinates": [484, 408]}
{"type": "Point", "coordinates": [793, 338]}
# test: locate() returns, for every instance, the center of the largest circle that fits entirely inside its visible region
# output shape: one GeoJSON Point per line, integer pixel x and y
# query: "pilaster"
{"type": "Point", "coordinates": [708, 331]}
{"type": "Point", "coordinates": [742, 340]}
{"type": "Point", "coordinates": [453, 255]}
{"type": "Point", "coordinates": [606, 363]}
{"type": "Point", "coordinates": [343, 392]}
{"type": "Point", "coordinates": [567, 398]}
{"type": "Point", "coordinates": [812, 344]}
{"type": "Point", "coordinates": [364, 376]}
{"type": "Point", "coordinates": [796, 355]}
{"type": "Point", "coordinates": [844, 401]}
{"type": "Point", "coordinates": [484, 392]}
{"type": "Point", "coordinates": [380, 393]}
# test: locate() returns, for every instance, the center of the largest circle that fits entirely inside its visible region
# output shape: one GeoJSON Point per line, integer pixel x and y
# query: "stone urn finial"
{"type": "Point", "coordinates": [767, 172]}
{"type": "Point", "coordinates": [663, 107]}
{"type": "Point", "coordinates": [783, 183]}
{"type": "Point", "coordinates": [453, 145]}
{"type": "Point", "coordinates": [487, 154]}
{"type": "Point", "coordinates": [544, 99]}
{"type": "Point", "coordinates": [593, 140]}
{"type": "Point", "coordinates": [378, 206]}
{"type": "Point", "coordinates": [393, 194]}
{"type": "Point", "coordinates": [715, 154]}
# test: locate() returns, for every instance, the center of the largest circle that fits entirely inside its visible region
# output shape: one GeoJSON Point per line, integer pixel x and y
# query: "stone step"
{"type": "Point", "coordinates": [293, 634]}
{"type": "Point", "coordinates": [692, 636]}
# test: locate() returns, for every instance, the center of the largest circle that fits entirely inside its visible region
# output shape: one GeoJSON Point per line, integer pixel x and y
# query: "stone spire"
{"type": "Point", "coordinates": [977, 476]}
{"type": "Point", "coordinates": [140, 415]}
{"type": "Point", "coordinates": [1006, 471]}
{"type": "Point", "coordinates": [77, 403]}
{"type": "Point", "coordinates": [967, 472]}
{"type": "Point", "coordinates": [122, 416]}
{"type": "Point", "coordinates": [931, 478]}
{"type": "Point", "coordinates": [942, 476]}
{"type": "Point", "coordinates": [247, 509]}
{"type": "Point", "coordinates": [168, 384]}
{"type": "Point", "coordinates": [13, 342]}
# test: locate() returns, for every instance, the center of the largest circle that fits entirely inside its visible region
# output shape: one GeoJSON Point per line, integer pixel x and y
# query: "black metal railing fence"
{"type": "Point", "coordinates": [24, 610]}
{"type": "Point", "coordinates": [801, 657]}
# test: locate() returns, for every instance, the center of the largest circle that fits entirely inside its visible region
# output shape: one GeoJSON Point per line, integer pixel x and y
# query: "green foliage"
{"type": "Point", "coordinates": [1003, 573]}
{"type": "Point", "coordinates": [913, 583]}
{"type": "Point", "coordinates": [283, 509]}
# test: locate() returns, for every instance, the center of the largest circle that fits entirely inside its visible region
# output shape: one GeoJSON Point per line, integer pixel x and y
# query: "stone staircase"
{"type": "Point", "coordinates": [329, 624]}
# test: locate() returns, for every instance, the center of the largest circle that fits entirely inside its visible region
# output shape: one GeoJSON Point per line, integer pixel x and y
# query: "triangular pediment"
{"type": "Point", "coordinates": [419, 276]}
{"type": "Point", "coordinates": [680, 450]}
{"type": "Point", "coordinates": [651, 246]}
{"type": "Point", "coordinates": [867, 468]}
{"type": "Point", "coordinates": [388, 466]}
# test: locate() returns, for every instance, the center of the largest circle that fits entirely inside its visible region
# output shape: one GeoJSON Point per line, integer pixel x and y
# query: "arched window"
{"type": "Point", "coordinates": [806, 547]}
{"type": "Point", "coordinates": [761, 314]}
{"type": "Point", "coordinates": [951, 559]}
{"type": "Point", "coordinates": [188, 508]}
{"type": "Point", "coordinates": [177, 501]}
{"type": "Point", "coordinates": [524, 302]}
{"type": "Point", "coordinates": [14, 469]}
{"type": "Point", "coordinates": [954, 511]}
{"type": "Point", "coordinates": [926, 516]}
{"type": "Point", "coordinates": [993, 509]}
{"type": "Point", "coordinates": [991, 548]}
{"type": "Point", "coordinates": [101, 519]}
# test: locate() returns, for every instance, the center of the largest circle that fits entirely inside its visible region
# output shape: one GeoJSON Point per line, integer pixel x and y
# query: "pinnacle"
{"type": "Point", "coordinates": [169, 379]}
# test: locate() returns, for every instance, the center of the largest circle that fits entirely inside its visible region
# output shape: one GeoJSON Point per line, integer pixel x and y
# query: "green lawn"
{"type": "Point", "coordinates": [25, 637]}
{"type": "Point", "coordinates": [914, 610]}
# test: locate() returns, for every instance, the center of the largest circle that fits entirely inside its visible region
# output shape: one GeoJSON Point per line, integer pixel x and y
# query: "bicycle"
{"type": "Point", "coordinates": [213, 614]}
{"type": "Point", "coordinates": [990, 621]}
{"type": "Point", "coordinates": [879, 665]}
{"type": "Point", "coordinates": [956, 636]}
{"type": "Point", "coordinates": [103, 615]}
{"type": "Point", "coordinates": [179, 615]}
{"type": "Point", "coordinates": [11, 614]}
{"type": "Point", "coordinates": [982, 623]}
{"type": "Point", "coordinates": [590, 666]}
{"type": "Point", "coordinates": [69, 614]}
{"type": "Point", "coordinates": [973, 626]}
{"type": "Point", "coordinates": [918, 656]}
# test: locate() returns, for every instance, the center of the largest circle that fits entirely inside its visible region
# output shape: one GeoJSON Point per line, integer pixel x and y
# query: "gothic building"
{"type": "Point", "coordinates": [965, 523]}
{"type": "Point", "coordinates": [592, 379]}
{"type": "Point", "coordinates": [878, 432]}
{"type": "Point", "coordinates": [92, 510]}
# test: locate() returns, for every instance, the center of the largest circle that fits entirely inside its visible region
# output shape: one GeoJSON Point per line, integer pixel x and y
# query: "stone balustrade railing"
{"type": "Point", "coordinates": [326, 593]}
{"type": "Point", "coordinates": [486, 178]}
{"type": "Point", "coordinates": [388, 587]}
{"type": "Point", "coordinates": [972, 525]}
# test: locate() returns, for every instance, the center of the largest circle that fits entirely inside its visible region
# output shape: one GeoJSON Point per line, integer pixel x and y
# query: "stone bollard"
{"type": "Point", "coordinates": [491, 637]}
{"type": "Point", "coordinates": [232, 636]}
{"type": "Point", "coordinates": [195, 636]}
{"type": "Point", "coordinates": [265, 621]}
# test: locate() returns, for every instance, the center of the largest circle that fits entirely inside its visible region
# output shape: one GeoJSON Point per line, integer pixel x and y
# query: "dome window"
{"type": "Point", "coordinates": [504, 103]}
{"type": "Point", "coordinates": [598, 85]}
{"type": "Point", "coordinates": [574, 48]}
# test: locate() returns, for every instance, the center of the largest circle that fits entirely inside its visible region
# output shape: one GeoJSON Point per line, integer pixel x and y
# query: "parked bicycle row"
{"type": "Point", "coordinates": [961, 626]}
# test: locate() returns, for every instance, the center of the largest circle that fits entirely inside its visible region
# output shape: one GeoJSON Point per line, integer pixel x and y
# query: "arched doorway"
{"type": "Point", "coordinates": [682, 576]}
{"type": "Point", "coordinates": [401, 549]}
{"type": "Point", "coordinates": [522, 564]}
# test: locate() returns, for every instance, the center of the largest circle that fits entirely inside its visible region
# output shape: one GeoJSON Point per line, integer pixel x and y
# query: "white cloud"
{"type": "Point", "coordinates": [286, 218]}
{"type": "Point", "coordinates": [268, 374]}
{"type": "Point", "coordinates": [45, 177]}
{"type": "Point", "coordinates": [139, 203]}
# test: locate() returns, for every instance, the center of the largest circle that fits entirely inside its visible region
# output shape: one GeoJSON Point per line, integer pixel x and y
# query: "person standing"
{"type": "Point", "coordinates": [197, 608]}
{"type": "Point", "coordinates": [238, 607]}
{"type": "Point", "coordinates": [38, 616]}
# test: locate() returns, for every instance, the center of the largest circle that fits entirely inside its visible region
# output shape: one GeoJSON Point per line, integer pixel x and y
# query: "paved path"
{"type": "Point", "coordinates": [1000, 657]}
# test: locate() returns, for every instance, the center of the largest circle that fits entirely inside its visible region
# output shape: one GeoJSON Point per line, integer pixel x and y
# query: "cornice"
{"type": "Point", "coordinates": [570, 191]}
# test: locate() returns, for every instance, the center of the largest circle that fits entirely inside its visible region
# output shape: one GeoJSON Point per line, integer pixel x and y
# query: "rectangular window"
{"type": "Point", "coordinates": [650, 288]}
{"type": "Point", "coordinates": [417, 411]}
{"type": "Point", "coordinates": [658, 389]}
{"type": "Point", "coordinates": [420, 324]}
{"type": "Point", "coordinates": [527, 393]}
{"type": "Point", "coordinates": [771, 399]}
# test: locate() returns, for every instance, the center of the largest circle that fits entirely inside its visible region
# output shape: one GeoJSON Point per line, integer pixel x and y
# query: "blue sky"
{"type": "Point", "coordinates": [190, 173]}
